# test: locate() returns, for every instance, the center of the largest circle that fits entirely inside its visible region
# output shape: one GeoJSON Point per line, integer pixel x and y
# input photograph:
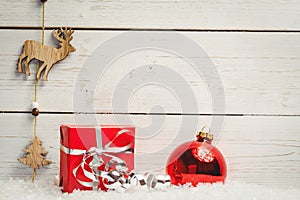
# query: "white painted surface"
{"type": "Point", "coordinates": [262, 69]}
{"type": "Point", "coordinates": [259, 70]}
{"type": "Point", "coordinates": [166, 14]}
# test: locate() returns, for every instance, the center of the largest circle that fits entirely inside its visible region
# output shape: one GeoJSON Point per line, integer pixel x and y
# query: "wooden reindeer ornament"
{"type": "Point", "coordinates": [47, 54]}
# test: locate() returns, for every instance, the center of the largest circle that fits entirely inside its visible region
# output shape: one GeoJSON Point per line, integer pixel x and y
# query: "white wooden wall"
{"type": "Point", "coordinates": [255, 46]}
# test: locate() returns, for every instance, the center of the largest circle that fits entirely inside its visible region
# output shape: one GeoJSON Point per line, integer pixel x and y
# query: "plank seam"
{"type": "Point", "coordinates": [154, 29]}
{"type": "Point", "coordinates": [175, 114]}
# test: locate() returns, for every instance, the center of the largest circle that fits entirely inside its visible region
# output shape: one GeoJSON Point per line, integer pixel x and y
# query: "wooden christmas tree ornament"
{"type": "Point", "coordinates": [35, 156]}
{"type": "Point", "coordinates": [49, 55]}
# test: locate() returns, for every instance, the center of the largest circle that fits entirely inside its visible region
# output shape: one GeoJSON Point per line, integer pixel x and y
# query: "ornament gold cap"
{"type": "Point", "coordinates": [204, 136]}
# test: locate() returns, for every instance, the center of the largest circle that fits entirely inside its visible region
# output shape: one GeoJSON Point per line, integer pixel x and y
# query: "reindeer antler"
{"type": "Point", "coordinates": [57, 34]}
{"type": "Point", "coordinates": [67, 33]}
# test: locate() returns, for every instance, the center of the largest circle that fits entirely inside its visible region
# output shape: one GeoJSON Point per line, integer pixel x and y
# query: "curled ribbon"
{"type": "Point", "coordinates": [117, 178]}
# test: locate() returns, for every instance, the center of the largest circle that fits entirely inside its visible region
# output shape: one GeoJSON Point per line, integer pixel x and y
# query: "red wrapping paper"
{"type": "Point", "coordinates": [84, 138]}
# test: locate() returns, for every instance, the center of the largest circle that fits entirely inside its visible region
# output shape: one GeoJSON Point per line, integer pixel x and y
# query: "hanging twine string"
{"type": "Point", "coordinates": [38, 65]}
{"type": "Point", "coordinates": [35, 106]}
{"type": "Point", "coordinates": [43, 23]}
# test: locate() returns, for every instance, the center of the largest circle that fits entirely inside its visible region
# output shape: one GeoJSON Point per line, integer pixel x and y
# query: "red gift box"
{"type": "Point", "coordinates": [81, 146]}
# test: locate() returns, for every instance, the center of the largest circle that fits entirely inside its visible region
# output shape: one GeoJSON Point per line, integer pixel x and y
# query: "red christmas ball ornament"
{"type": "Point", "coordinates": [197, 162]}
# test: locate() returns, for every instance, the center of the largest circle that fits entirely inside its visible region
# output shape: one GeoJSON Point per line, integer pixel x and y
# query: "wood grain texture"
{"type": "Point", "coordinates": [259, 71]}
{"type": "Point", "coordinates": [262, 69]}
{"type": "Point", "coordinates": [35, 156]}
{"type": "Point", "coordinates": [263, 150]}
{"type": "Point", "coordinates": [47, 55]}
{"type": "Point", "coordinates": [167, 14]}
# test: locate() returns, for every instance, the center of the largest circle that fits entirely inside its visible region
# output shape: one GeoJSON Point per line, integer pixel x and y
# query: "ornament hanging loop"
{"type": "Point", "coordinates": [205, 127]}
{"type": "Point", "coordinates": [203, 136]}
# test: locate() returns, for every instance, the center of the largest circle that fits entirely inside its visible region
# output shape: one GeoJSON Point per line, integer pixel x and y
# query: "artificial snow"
{"type": "Point", "coordinates": [47, 190]}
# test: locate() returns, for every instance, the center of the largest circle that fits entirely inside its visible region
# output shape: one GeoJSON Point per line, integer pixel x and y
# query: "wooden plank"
{"type": "Point", "coordinates": [261, 150]}
{"type": "Point", "coordinates": [265, 81]}
{"type": "Point", "coordinates": [155, 14]}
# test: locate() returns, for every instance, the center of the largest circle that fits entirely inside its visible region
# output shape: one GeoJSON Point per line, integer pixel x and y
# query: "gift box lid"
{"type": "Point", "coordinates": [87, 136]}
{"type": "Point", "coordinates": [102, 126]}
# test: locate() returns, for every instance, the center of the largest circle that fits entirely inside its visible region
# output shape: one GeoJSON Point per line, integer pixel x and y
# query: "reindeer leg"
{"type": "Point", "coordinates": [26, 63]}
{"type": "Point", "coordinates": [45, 77]}
{"type": "Point", "coordinates": [41, 68]}
{"type": "Point", "coordinates": [22, 56]}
